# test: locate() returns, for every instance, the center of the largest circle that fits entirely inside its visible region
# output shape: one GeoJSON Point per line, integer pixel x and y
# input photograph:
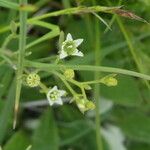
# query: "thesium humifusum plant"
{"type": "Point", "coordinates": [83, 65]}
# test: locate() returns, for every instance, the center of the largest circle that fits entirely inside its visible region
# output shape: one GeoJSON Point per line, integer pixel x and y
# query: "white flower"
{"type": "Point", "coordinates": [54, 96]}
{"type": "Point", "coordinates": [69, 47]}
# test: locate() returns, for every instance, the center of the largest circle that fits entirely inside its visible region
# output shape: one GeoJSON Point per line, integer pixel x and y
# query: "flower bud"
{"type": "Point", "coordinates": [13, 27]}
{"type": "Point", "coordinates": [33, 80]}
{"type": "Point", "coordinates": [87, 87]}
{"type": "Point", "coordinates": [90, 105]}
{"type": "Point", "coordinates": [85, 105]}
{"type": "Point", "coordinates": [110, 80]}
{"type": "Point", "coordinates": [69, 74]}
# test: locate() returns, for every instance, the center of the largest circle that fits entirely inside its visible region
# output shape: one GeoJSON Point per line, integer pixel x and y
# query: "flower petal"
{"type": "Point", "coordinates": [62, 54]}
{"type": "Point", "coordinates": [51, 90]}
{"type": "Point", "coordinates": [69, 37]}
{"type": "Point", "coordinates": [62, 92]}
{"type": "Point", "coordinates": [78, 53]}
{"type": "Point", "coordinates": [49, 99]}
{"type": "Point", "coordinates": [59, 101]}
{"type": "Point", "coordinates": [54, 88]}
{"type": "Point", "coordinates": [78, 42]}
{"type": "Point", "coordinates": [48, 95]}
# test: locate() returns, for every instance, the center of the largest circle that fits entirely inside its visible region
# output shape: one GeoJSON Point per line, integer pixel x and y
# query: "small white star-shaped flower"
{"type": "Point", "coordinates": [54, 96]}
{"type": "Point", "coordinates": [69, 47]}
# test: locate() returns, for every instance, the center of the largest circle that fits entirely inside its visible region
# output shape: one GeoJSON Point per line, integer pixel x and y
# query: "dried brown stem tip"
{"type": "Point", "coordinates": [130, 15]}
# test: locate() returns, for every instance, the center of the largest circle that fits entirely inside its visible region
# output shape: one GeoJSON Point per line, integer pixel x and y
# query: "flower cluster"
{"type": "Point", "coordinates": [54, 95]}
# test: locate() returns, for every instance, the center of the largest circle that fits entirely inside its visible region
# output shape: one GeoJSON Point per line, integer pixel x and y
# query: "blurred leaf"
{"type": "Point", "coordinates": [19, 141]}
{"type": "Point", "coordinates": [125, 93]}
{"type": "Point", "coordinates": [1, 105]}
{"type": "Point", "coordinates": [6, 113]}
{"type": "Point", "coordinates": [134, 124]}
{"type": "Point", "coordinates": [74, 127]}
{"type": "Point", "coordinates": [46, 135]}
{"type": "Point", "coordinates": [5, 81]}
{"type": "Point", "coordinates": [69, 113]}
{"type": "Point", "coordinates": [138, 146]}
{"type": "Point", "coordinates": [8, 4]}
{"type": "Point", "coordinates": [73, 131]}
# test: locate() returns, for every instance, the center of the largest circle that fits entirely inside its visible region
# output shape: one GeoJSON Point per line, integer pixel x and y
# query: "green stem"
{"type": "Point", "coordinates": [131, 48]}
{"type": "Point", "coordinates": [22, 46]}
{"type": "Point", "coordinates": [6, 59]}
{"type": "Point", "coordinates": [44, 66]}
{"type": "Point", "coordinates": [76, 10]}
{"type": "Point", "coordinates": [75, 82]}
{"type": "Point", "coordinates": [97, 87]}
{"type": "Point", "coordinates": [8, 4]}
{"type": "Point", "coordinates": [83, 92]}
{"type": "Point", "coordinates": [68, 11]}
{"type": "Point", "coordinates": [7, 40]}
{"type": "Point", "coordinates": [65, 82]}
{"type": "Point", "coordinates": [92, 82]}
{"type": "Point", "coordinates": [43, 87]}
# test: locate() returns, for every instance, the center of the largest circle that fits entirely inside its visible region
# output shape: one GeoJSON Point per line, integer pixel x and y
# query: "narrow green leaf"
{"type": "Point", "coordinates": [135, 124]}
{"type": "Point", "coordinates": [8, 4]}
{"type": "Point", "coordinates": [46, 136]}
{"type": "Point", "coordinates": [19, 141]}
{"type": "Point", "coordinates": [74, 131]}
{"type": "Point", "coordinates": [5, 82]}
{"type": "Point", "coordinates": [6, 113]}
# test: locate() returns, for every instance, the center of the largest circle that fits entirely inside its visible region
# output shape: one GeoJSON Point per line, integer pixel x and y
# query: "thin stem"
{"type": "Point", "coordinates": [43, 87]}
{"type": "Point", "coordinates": [65, 82]}
{"type": "Point", "coordinates": [131, 48]}
{"type": "Point", "coordinates": [75, 82]}
{"type": "Point", "coordinates": [8, 4]}
{"type": "Point", "coordinates": [44, 66]}
{"type": "Point", "coordinates": [92, 82]}
{"type": "Point", "coordinates": [83, 92]}
{"type": "Point", "coordinates": [97, 87]}
{"type": "Point", "coordinates": [22, 46]}
{"type": "Point", "coordinates": [68, 11]}
{"type": "Point", "coordinates": [76, 10]}
{"type": "Point", "coordinates": [130, 45]}
{"type": "Point", "coordinates": [7, 40]}
{"type": "Point", "coordinates": [6, 59]}
{"type": "Point", "coordinates": [113, 18]}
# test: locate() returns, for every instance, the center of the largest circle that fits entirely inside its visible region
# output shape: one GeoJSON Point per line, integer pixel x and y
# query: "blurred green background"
{"type": "Point", "coordinates": [124, 109]}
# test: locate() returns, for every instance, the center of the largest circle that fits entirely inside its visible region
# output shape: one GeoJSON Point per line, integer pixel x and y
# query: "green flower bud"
{"type": "Point", "coordinates": [85, 105]}
{"type": "Point", "coordinates": [90, 105]}
{"type": "Point", "coordinates": [33, 80]}
{"type": "Point", "coordinates": [81, 105]}
{"type": "Point", "coordinates": [87, 87]}
{"type": "Point", "coordinates": [13, 27]}
{"type": "Point", "coordinates": [109, 80]}
{"type": "Point", "coordinates": [69, 74]}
